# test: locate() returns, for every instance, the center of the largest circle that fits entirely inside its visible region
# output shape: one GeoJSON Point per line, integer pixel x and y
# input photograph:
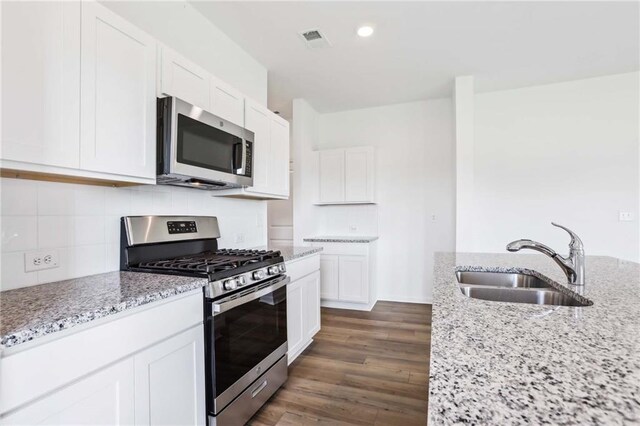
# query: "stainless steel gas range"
{"type": "Point", "coordinates": [245, 307]}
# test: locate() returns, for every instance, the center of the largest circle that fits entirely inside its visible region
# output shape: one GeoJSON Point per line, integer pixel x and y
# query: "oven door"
{"type": "Point", "coordinates": [205, 147]}
{"type": "Point", "coordinates": [246, 335]}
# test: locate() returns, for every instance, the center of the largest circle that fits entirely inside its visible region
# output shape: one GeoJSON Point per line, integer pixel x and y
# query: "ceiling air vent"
{"type": "Point", "coordinates": [314, 39]}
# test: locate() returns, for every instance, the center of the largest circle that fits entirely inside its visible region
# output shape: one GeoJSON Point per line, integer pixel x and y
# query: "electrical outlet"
{"type": "Point", "coordinates": [239, 238]}
{"type": "Point", "coordinates": [626, 217]}
{"type": "Point", "coordinates": [353, 228]}
{"type": "Point", "coordinates": [433, 218]}
{"type": "Point", "coordinates": [39, 260]}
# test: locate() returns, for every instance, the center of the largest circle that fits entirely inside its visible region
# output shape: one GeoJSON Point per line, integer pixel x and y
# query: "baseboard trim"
{"type": "Point", "coordinates": [424, 301]}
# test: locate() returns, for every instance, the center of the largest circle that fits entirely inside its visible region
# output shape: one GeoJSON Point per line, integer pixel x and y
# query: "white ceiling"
{"type": "Point", "coordinates": [419, 47]}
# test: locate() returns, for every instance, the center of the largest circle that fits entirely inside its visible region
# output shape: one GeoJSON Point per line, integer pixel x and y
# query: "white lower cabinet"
{"type": "Point", "coordinates": [303, 305]}
{"type": "Point", "coordinates": [140, 368]}
{"type": "Point", "coordinates": [169, 377]}
{"type": "Point", "coordinates": [348, 275]}
{"type": "Point", "coordinates": [103, 398]}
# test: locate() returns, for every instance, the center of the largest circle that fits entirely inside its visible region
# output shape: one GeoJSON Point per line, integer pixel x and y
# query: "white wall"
{"type": "Point", "coordinates": [304, 140]}
{"type": "Point", "coordinates": [565, 152]}
{"type": "Point", "coordinates": [415, 182]}
{"type": "Point", "coordinates": [82, 223]}
{"type": "Point", "coordinates": [184, 29]}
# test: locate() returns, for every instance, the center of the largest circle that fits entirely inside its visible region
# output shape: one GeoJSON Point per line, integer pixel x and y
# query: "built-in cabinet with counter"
{"type": "Point", "coordinates": [144, 366]}
{"type": "Point", "coordinates": [79, 99]}
{"type": "Point", "coordinates": [346, 175]}
{"type": "Point", "coordinates": [348, 277]}
{"type": "Point", "coordinates": [303, 303]}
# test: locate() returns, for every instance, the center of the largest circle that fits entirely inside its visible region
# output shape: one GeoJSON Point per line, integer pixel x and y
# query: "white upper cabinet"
{"type": "Point", "coordinates": [270, 155]}
{"type": "Point", "coordinates": [41, 83]}
{"type": "Point", "coordinates": [118, 96]}
{"type": "Point", "coordinates": [346, 176]}
{"type": "Point", "coordinates": [258, 120]}
{"type": "Point", "coordinates": [279, 156]}
{"type": "Point", "coordinates": [227, 102]}
{"type": "Point", "coordinates": [331, 176]}
{"type": "Point", "coordinates": [359, 175]}
{"type": "Point", "coordinates": [183, 79]}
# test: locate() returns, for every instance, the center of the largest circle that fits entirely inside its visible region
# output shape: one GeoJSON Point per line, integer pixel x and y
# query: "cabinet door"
{"type": "Point", "coordinates": [295, 318]}
{"type": "Point", "coordinates": [103, 398]}
{"type": "Point", "coordinates": [169, 381]}
{"type": "Point", "coordinates": [311, 295]}
{"type": "Point", "coordinates": [354, 280]}
{"type": "Point", "coordinates": [359, 176]}
{"type": "Point", "coordinates": [118, 98]}
{"type": "Point", "coordinates": [279, 160]}
{"type": "Point", "coordinates": [329, 276]}
{"type": "Point", "coordinates": [257, 120]}
{"type": "Point", "coordinates": [184, 79]}
{"type": "Point", "coordinates": [331, 176]}
{"type": "Point", "coordinates": [227, 102]}
{"type": "Point", "coordinates": [41, 82]}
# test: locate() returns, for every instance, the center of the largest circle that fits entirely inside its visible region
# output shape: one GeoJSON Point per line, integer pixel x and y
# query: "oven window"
{"type": "Point", "coordinates": [245, 335]}
{"type": "Point", "coordinates": [204, 146]}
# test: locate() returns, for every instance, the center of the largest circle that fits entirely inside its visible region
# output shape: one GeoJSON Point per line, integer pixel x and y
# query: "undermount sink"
{"type": "Point", "coordinates": [512, 288]}
{"type": "Point", "coordinates": [501, 279]}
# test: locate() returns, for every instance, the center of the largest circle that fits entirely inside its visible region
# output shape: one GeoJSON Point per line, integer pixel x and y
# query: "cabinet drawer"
{"type": "Point", "coordinates": [299, 268]}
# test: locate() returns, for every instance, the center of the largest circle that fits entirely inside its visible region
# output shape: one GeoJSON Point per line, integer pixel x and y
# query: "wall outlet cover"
{"type": "Point", "coordinates": [41, 259]}
{"type": "Point", "coordinates": [625, 217]}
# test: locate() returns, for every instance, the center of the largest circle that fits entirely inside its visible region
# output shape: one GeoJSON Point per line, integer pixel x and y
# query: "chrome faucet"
{"type": "Point", "coordinates": [572, 266]}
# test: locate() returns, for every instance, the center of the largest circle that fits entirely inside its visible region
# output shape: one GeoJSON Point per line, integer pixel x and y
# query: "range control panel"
{"type": "Point", "coordinates": [186, 227]}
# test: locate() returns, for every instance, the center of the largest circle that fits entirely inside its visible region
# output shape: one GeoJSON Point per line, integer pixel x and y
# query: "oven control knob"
{"type": "Point", "coordinates": [242, 281]}
{"type": "Point", "coordinates": [231, 284]}
{"type": "Point", "coordinates": [282, 267]}
{"type": "Point", "coordinates": [273, 270]}
{"type": "Point", "coordinates": [259, 275]}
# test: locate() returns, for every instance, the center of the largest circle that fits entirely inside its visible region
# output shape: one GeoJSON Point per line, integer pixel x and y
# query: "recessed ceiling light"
{"type": "Point", "coordinates": [365, 31]}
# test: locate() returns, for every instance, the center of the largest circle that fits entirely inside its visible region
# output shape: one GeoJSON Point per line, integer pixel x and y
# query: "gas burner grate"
{"type": "Point", "coordinates": [212, 262]}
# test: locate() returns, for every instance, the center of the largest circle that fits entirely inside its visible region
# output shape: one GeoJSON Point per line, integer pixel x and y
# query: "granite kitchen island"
{"type": "Point", "coordinates": [509, 363]}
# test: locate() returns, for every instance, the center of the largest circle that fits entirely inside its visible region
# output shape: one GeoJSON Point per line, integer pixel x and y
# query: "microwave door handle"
{"type": "Point", "coordinates": [238, 157]}
{"type": "Point", "coordinates": [244, 157]}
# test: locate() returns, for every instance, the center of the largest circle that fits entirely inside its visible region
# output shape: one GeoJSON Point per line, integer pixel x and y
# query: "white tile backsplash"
{"type": "Point", "coordinates": [19, 198]}
{"type": "Point", "coordinates": [19, 233]}
{"type": "Point", "coordinates": [82, 222]}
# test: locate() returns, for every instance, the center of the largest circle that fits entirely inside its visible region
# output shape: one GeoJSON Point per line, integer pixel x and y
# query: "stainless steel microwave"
{"type": "Point", "coordinates": [200, 150]}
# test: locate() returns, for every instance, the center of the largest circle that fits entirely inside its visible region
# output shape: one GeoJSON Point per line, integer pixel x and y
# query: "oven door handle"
{"type": "Point", "coordinates": [227, 304]}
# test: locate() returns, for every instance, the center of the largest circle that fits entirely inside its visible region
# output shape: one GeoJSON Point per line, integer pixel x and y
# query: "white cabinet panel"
{"type": "Point", "coordinates": [227, 102]}
{"type": "Point", "coordinates": [184, 79]}
{"type": "Point", "coordinates": [354, 283]}
{"type": "Point", "coordinates": [346, 176]}
{"type": "Point", "coordinates": [311, 295]}
{"type": "Point", "coordinates": [118, 97]}
{"type": "Point", "coordinates": [359, 176]}
{"type": "Point", "coordinates": [295, 322]}
{"type": "Point", "coordinates": [257, 120]}
{"type": "Point", "coordinates": [331, 176]}
{"type": "Point", "coordinates": [279, 157]}
{"type": "Point", "coordinates": [41, 82]}
{"type": "Point", "coordinates": [330, 278]}
{"type": "Point", "coordinates": [169, 381]}
{"type": "Point", "coordinates": [102, 398]}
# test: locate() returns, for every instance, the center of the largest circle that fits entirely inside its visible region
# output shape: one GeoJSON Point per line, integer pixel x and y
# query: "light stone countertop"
{"type": "Point", "coordinates": [32, 312]}
{"type": "Point", "coordinates": [517, 364]}
{"type": "Point", "coordinates": [340, 239]}
{"type": "Point", "coordinates": [290, 252]}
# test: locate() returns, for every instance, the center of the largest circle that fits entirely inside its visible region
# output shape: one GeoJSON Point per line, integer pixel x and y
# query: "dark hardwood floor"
{"type": "Point", "coordinates": [363, 368]}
